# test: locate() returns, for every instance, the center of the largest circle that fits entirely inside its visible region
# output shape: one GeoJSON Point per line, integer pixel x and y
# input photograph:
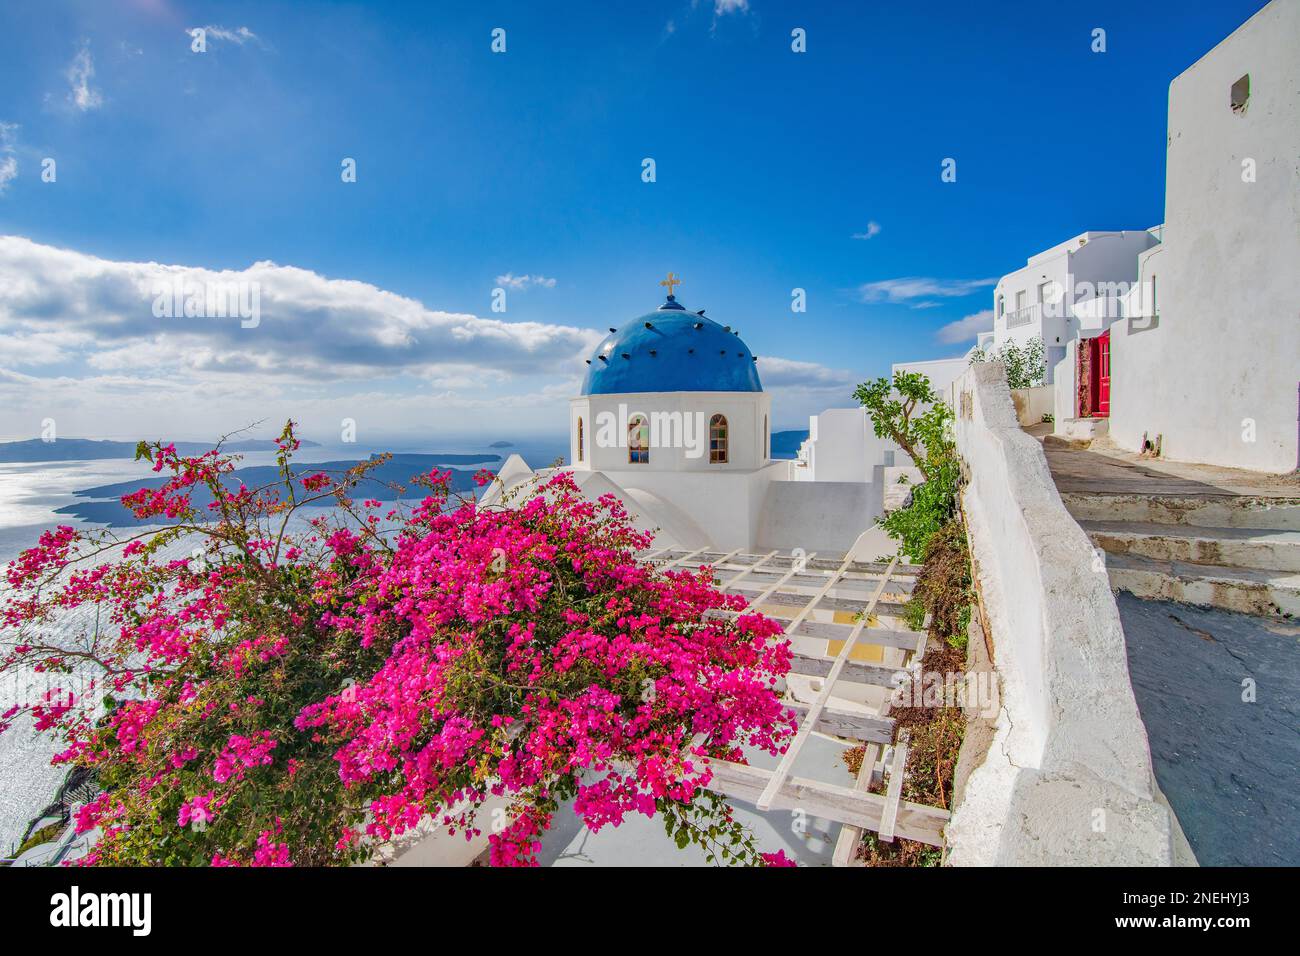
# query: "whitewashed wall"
{"type": "Point", "coordinates": [1225, 349]}
{"type": "Point", "coordinates": [606, 450]}
{"type": "Point", "coordinates": [1033, 403]}
{"type": "Point", "coordinates": [1068, 779]}
{"type": "Point", "coordinates": [725, 505]}
{"type": "Point", "coordinates": [842, 446]}
{"type": "Point", "coordinates": [822, 516]}
{"type": "Point", "coordinates": [1064, 399]}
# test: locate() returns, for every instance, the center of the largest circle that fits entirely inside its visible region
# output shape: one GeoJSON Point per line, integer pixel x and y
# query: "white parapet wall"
{"type": "Point", "coordinates": [1068, 779]}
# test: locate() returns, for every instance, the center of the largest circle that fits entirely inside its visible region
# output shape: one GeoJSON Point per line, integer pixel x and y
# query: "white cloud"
{"type": "Point", "coordinates": [723, 7]}
{"type": "Point", "coordinates": [800, 389]}
{"type": "Point", "coordinates": [311, 327]}
{"type": "Point", "coordinates": [916, 287]}
{"type": "Point", "coordinates": [80, 73]}
{"type": "Point", "coordinates": [791, 373]}
{"type": "Point", "coordinates": [238, 36]}
{"type": "Point", "coordinates": [965, 329]}
{"type": "Point", "coordinates": [512, 281]}
{"type": "Point", "coordinates": [873, 229]}
{"type": "Point", "coordinates": [79, 342]}
{"type": "Point", "coordinates": [8, 162]}
{"type": "Point", "coordinates": [25, 349]}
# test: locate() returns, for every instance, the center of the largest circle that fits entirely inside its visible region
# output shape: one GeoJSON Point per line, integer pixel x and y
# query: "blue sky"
{"type": "Point", "coordinates": [474, 165]}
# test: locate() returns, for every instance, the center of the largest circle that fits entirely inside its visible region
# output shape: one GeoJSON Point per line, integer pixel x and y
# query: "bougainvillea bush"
{"type": "Point", "coordinates": [298, 692]}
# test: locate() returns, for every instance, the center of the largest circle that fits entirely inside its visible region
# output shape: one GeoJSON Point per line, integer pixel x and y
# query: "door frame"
{"type": "Point", "coordinates": [1102, 366]}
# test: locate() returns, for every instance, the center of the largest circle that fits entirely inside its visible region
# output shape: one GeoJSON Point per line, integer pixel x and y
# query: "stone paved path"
{"type": "Point", "coordinates": [1109, 470]}
{"type": "Point", "coordinates": [1230, 768]}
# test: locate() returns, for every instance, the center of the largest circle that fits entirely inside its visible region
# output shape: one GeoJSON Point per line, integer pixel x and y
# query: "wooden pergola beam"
{"type": "Point", "coordinates": [861, 672]}
{"type": "Point", "coordinates": [894, 793]}
{"type": "Point", "coordinates": [882, 636]}
{"type": "Point", "coordinates": [829, 801]}
{"type": "Point", "coordinates": [815, 710]}
{"type": "Point", "coordinates": [780, 597]}
{"type": "Point", "coordinates": [793, 594]}
{"type": "Point", "coordinates": [749, 569]}
{"type": "Point", "coordinates": [676, 561]}
{"type": "Point", "coordinates": [846, 845]}
{"type": "Point", "coordinates": [845, 724]}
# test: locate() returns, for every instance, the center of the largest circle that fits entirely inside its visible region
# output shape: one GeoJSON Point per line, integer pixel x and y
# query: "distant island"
{"type": "Point", "coordinates": [502, 444]}
{"type": "Point", "coordinates": [88, 449]}
{"type": "Point", "coordinates": [102, 502]}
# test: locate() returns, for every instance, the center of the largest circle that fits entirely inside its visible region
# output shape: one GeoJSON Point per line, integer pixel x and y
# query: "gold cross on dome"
{"type": "Point", "coordinates": [671, 282]}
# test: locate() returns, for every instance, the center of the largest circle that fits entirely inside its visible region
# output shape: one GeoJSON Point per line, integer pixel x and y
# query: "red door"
{"type": "Point", "coordinates": [1101, 373]}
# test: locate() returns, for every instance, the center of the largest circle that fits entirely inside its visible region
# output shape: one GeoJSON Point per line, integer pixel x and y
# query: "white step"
{"type": "Point", "coordinates": [1204, 511]}
{"type": "Point", "coordinates": [1247, 590]}
{"type": "Point", "coordinates": [1259, 548]}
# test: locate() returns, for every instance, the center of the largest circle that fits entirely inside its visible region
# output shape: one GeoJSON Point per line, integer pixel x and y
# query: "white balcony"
{"type": "Point", "coordinates": [1023, 317]}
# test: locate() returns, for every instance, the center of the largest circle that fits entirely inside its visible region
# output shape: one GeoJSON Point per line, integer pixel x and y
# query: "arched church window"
{"type": "Point", "coordinates": [718, 440]}
{"type": "Point", "coordinates": [580, 458]}
{"type": "Point", "coordinates": [638, 440]}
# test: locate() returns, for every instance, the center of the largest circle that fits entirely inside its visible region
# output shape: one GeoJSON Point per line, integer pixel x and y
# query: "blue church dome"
{"type": "Point", "coordinates": [671, 350]}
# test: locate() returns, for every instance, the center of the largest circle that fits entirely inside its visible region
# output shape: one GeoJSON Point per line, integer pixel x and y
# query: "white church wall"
{"type": "Point", "coordinates": [1220, 364]}
{"type": "Point", "coordinates": [725, 505]}
{"type": "Point", "coordinates": [514, 471]}
{"type": "Point", "coordinates": [821, 516]}
{"type": "Point", "coordinates": [672, 527]}
{"type": "Point", "coordinates": [679, 426]}
{"type": "Point", "coordinates": [683, 509]}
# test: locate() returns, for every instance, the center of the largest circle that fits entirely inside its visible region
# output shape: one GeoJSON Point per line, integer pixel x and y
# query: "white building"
{"type": "Point", "coordinates": [842, 444]}
{"type": "Point", "coordinates": [673, 419]}
{"type": "Point", "coordinates": [1208, 364]}
{"type": "Point", "coordinates": [1039, 300]}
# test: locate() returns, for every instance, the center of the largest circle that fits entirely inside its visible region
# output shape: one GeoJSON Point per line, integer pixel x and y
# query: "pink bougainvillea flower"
{"type": "Point", "coordinates": [313, 690]}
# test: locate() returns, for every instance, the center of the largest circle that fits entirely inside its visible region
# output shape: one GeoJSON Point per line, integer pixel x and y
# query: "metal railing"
{"type": "Point", "coordinates": [1022, 316]}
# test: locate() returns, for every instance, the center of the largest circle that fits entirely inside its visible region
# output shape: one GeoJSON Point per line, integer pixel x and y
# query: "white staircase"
{"type": "Point", "coordinates": [1239, 553]}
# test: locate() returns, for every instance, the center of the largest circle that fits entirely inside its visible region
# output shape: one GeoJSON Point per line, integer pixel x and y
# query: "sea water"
{"type": "Point", "coordinates": [31, 496]}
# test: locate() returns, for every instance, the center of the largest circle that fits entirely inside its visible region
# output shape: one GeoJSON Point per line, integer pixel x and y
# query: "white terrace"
{"type": "Point", "coordinates": [851, 649]}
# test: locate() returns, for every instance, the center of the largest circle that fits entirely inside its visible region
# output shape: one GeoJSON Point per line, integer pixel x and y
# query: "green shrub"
{"type": "Point", "coordinates": [1026, 367]}
{"type": "Point", "coordinates": [910, 413]}
{"type": "Point", "coordinates": [932, 506]}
